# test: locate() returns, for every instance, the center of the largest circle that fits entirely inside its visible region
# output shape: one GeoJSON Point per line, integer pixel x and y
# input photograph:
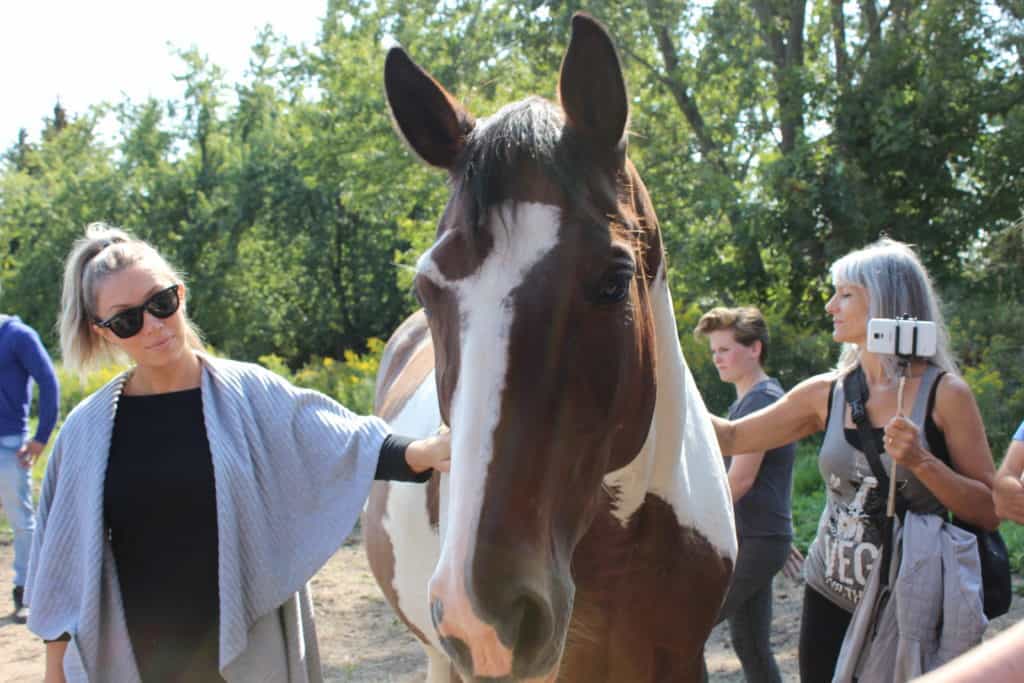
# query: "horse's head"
{"type": "Point", "coordinates": [536, 291]}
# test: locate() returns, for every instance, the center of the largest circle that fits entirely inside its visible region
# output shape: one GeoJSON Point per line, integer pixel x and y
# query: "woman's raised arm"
{"type": "Point", "coordinates": [801, 412]}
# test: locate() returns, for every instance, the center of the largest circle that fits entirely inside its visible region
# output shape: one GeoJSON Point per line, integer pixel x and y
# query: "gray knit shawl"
{"type": "Point", "coordinates": [292, 470]}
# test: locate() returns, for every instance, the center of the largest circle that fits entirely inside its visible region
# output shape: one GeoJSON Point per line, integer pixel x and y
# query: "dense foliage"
{"type": "Point", "coordinates": [774, 136]}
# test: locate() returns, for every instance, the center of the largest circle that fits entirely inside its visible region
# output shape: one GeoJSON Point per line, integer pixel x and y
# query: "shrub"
{"type": "Point", "coordinates": [74, 388]}
{"type": "Point", "coordinates": [986, 339]}
{"type": "Point", "coordinates": [1013, 534]}
{"type": "Point", "coordinates": [351, 381]}
{"type": "Point", "coordinates": [808, 493]}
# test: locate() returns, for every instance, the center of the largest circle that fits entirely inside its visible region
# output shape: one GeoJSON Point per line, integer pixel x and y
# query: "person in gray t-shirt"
{"type": "Point", "coordinates": [761, 484]}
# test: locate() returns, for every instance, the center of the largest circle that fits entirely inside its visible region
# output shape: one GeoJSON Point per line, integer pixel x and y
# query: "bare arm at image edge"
{"type": "Point", "coordinates": [998, 659]}
{"type": "Point", "coordinates": [1008, 488]}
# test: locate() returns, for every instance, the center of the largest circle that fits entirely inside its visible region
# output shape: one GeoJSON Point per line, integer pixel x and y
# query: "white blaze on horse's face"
{"type": "Point", "coordinates": [523, 235]}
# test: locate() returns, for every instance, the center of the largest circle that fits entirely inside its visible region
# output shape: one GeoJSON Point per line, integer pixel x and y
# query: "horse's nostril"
{"type": "Point", "coordinates": [534, 630]}
{"type": "Point", "coordinates": [531, 631]}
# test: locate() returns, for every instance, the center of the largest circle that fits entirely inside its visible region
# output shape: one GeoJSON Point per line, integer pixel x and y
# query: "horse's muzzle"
{"type": "Point", "coordinates": [511, 626]}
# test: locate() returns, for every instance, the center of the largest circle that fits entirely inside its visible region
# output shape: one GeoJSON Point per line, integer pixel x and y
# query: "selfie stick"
{"type": "Point", "coordinates": [890, 508]}
{"type": "Point", "coordinates": [904, 363]}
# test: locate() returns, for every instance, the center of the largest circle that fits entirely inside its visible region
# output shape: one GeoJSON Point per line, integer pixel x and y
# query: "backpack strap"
{"type": "Point", "coordinates": [855, 390]}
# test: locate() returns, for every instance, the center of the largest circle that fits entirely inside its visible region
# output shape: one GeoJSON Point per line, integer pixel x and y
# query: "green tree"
{"type": "Point", "coordinates": [773, 135]}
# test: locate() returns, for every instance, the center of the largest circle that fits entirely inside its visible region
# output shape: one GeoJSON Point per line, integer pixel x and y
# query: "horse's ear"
{"type": "Point", "coordinates": [591, 87]}
{"type": "Point", "coordinates": [431, 121]}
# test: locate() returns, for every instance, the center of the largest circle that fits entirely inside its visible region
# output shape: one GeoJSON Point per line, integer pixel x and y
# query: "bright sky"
{"type": "Point", "coordinates": [104, 50]}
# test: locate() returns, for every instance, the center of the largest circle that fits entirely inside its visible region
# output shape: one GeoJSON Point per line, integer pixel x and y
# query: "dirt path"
{"type": "Point", "coordinates": [361, 641]}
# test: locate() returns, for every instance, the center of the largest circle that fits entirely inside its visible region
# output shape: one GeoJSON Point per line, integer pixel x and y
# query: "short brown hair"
{"type": "Point", "coordinates": [746, 322]}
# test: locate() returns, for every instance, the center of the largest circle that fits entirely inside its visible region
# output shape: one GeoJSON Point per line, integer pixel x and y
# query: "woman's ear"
{"type": "Point", "coordinates": [104, 333]}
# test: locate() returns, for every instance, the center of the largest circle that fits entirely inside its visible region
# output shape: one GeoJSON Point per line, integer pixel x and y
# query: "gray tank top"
{"type": "Point", "coordinates": [849, 537]}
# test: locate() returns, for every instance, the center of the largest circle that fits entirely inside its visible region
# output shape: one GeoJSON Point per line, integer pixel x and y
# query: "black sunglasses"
{"type": "Point", "coordinates": [128, 323]}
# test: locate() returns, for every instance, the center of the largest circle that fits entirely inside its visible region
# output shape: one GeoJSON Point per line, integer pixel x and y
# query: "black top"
{"type": "Point", "coordinates": [160, 507]}
{"type": "Point", "coordinates": [764, 511]}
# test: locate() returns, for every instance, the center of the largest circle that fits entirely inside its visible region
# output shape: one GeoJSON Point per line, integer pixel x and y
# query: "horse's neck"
{"type": "Point", "coordinates": [680, 461]}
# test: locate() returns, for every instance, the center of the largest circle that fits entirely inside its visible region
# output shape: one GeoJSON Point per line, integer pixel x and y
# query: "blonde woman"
{"type": "Point", "coordinates": [883, 280]}
{"type": "Point", "coordinates": [187, 503]}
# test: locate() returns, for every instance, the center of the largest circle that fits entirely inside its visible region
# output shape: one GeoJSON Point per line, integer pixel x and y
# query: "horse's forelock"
{"type": "Point", "coordinates": [511, 154]}
{"type": "Point", "coordinates": [526, 152]}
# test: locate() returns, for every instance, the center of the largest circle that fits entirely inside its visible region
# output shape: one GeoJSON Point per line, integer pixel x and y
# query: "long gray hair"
{"type": "Point", "coordinates": [897, 284]}
{"type": "Point", "coordinates": [102, 252]}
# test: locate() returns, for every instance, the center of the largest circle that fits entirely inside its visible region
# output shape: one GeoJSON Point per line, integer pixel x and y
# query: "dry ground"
{"type": "Point", "coordinates": [362, 641]}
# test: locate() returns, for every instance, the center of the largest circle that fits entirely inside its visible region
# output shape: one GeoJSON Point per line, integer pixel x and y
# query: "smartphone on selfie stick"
{"type": "Point", "coordinates": [908, 339]}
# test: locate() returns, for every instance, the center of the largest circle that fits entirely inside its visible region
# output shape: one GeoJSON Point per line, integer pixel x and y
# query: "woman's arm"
{"type": "Point", "coordinates": [1008, 490]}
{"type": "Point", "coordinates": [413, 460]}
{"type": "Point", "coordinates": [799, 413]}
{"type": "Point", "coordinates": [966, 489]}
{"type": "Point", "coordinates": [430, 453]}
{"type": "Point", "coordinates": [55, 661]}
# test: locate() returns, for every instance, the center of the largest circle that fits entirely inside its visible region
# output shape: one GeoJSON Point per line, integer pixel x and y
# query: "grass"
{"type": "Point", "coordinates": [808, 494]}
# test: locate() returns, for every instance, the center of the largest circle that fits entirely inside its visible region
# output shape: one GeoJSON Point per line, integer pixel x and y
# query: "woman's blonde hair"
{"type": "Point", "coordinates": [103, 251]}
{"type": "Point", "coordinates": [896, 284]}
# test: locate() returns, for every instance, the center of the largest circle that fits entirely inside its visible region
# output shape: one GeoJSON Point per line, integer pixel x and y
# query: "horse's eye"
{"type": "Point", "coordinates": [614, 287]}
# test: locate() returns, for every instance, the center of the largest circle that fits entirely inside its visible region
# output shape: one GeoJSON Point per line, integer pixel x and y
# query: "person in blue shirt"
{"type": "Point", "coordinates": [22, 360]}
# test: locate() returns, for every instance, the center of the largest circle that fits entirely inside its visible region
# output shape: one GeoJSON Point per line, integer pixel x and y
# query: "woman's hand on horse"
{"type": "Point", "coordinates": [902, 442]}
{"type": "Point", "coordinates": [430, 453]}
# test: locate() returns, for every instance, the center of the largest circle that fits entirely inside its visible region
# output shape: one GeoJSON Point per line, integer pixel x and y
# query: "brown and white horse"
{"type": "Point", "coordinates": [585, 530]}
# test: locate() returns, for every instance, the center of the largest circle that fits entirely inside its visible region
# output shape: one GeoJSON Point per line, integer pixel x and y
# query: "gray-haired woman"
{"type": "Point", "coordinates": [189, 501]}
{"type": "Point", "coordinates": [883, 280]}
